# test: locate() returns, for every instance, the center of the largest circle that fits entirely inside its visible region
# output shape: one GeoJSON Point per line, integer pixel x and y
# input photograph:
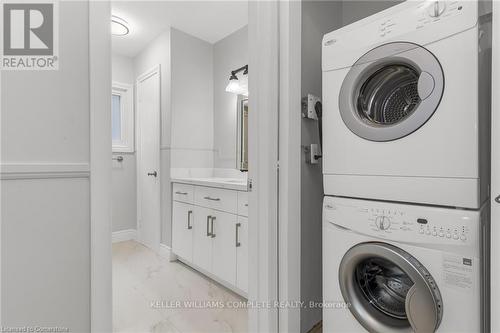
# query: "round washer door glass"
{"type": "Point", "coordinates": [391, 91]}
{"type": "Point", "coordinates": [388, 290]}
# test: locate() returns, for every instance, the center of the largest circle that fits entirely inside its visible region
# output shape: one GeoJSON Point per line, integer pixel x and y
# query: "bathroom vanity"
{"type": "Point", "coordinates": [210, 228]}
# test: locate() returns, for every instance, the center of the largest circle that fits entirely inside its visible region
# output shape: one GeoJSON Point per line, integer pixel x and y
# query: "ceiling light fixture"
{"type": "Point", "coordinates": [236, 86]}
{"type": "Point", "coordinates": [119, 27]}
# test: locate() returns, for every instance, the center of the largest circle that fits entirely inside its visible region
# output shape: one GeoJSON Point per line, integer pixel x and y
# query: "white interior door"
{"type": "Point", "coordinates": [148, 158]}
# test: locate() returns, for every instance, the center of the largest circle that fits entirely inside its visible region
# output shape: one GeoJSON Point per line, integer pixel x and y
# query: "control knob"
{"type": "Point", "coordinates": [436, 8]}
{"type": "Point", "coordinates": [382, 222]}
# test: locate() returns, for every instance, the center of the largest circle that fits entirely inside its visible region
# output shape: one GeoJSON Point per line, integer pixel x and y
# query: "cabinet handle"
{"type": "Point", "coordinates": [212, 199]}
{"type": "Point", "coordinates": [189, 219]}
{"type": "Point", "coordinates": [208, 225]}
{"type": "Point", "coordinates": [212, 233]}
{"type": "Point", "coordinates": [181, 193]}
{"type": "Point", "coordinates": [246, 205]}
{"type": "Point", "coordinates": [237, 236]}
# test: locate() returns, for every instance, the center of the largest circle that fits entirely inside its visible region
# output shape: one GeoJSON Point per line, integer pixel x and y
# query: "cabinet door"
{"type": "Point", "coordinates": [242, 254]}
{"type": "Point", "coordinates": [182, 230]}
{"type": "Point", "coordinates": [202, 240]}
{"type": "Point", "coordinates": [224, 246]}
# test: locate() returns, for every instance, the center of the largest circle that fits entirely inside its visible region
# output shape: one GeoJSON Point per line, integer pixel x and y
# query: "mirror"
{"type": "Point", "coordinates": [242, 153]}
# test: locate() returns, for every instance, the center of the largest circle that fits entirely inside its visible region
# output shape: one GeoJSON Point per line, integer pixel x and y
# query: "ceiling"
{"type": "Point", "coordinates": [207, 20]}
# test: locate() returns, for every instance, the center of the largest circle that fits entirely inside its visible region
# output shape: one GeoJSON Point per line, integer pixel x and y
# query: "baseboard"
{"type": "Point", "coordinates": [166, 252]}
{"type": "Point", "coordinates": [124, 235]}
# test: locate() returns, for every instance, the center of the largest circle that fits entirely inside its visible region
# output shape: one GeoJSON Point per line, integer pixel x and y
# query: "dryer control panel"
{"type": "Point", "coordinates": [419, 22]}
{"type": "Point", "coordinates": [405, 222]}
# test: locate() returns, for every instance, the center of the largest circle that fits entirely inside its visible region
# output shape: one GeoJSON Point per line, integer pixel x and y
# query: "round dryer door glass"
{"type": "Point", "coordinates": [388, 290]}
{"type": "Point", "coordinates": [391, 91]}
{"type": "Point", "coordinates": [389, 95]}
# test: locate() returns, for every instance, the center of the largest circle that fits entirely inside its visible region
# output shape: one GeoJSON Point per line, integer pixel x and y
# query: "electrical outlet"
{"type": "Point", "coordinates": [315, 153]}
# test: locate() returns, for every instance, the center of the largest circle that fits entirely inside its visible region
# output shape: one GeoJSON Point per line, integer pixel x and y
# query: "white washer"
{"type": "Point", "coordinates": [394, 268]}
{"type": "Point", "coordinates": [406, 105]}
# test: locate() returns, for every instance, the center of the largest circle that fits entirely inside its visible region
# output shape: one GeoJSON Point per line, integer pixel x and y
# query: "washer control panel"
{"type": "Point", "coordinates": [394, 221]}
{"type": "Point", "coordinates": [404, 222]}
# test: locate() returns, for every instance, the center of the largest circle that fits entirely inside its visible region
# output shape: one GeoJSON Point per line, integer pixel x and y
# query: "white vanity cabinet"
{"type": "Point", "coordinates": [242, 253]}
{"type": "Point", "coordinates": [182, 228]}
{"type": "Point", "coordinates": [224, 246]}
{"type": "Point", "coordinates": [209, 232]}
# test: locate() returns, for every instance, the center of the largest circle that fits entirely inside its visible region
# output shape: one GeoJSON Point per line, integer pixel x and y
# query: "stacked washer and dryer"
{"type": "Point", "coordinates": [406, 110]}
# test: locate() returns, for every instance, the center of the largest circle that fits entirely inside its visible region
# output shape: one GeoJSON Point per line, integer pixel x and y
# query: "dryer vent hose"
{"type": "Point", "coordinates": [318, 107]}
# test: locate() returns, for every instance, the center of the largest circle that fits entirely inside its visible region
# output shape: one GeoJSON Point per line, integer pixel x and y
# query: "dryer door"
{"type": "Point", "coordinates": [388, 290]}
{"type": "Point", "coordinates": [391, 91]}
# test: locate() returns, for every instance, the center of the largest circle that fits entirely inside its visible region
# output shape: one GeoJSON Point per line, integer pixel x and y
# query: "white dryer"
{"type": "Point", "coordinates": [394, 268]}
{"type": "Point", "coordinates": [406, 105]}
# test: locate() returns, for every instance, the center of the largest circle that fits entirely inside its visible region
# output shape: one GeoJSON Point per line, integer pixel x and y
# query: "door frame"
{"type": "Point", "coordinates": [155, 70]}
{"type": "Point", "coordinates": [495, 173]}
{"type": "Point", "coordinates": [263, 36]}
{"type": "Point", "coordinates": [100, 166]}
{"type": "Point", "coordinates": [290, 55]}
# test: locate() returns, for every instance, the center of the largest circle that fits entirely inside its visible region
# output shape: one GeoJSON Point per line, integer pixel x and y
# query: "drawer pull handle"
{"type": "Point", "coordinates": [212, 233]}
{"type": "Point", "coordinates": [237, 236]}
{"type": "Point", "coordinates": [212, 199]}
{"type": "Point", "coordinates": [189, 220]}
{"type": "Point", "coordinates": [208, 225]}
{"type": "Point", "coordinates": [246, 205]}
{"type": "Point", "coordinates": [181, 193]}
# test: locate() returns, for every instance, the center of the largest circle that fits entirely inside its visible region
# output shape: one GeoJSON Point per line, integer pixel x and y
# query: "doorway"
{"type": "Point", "coordinates": [180, 240]}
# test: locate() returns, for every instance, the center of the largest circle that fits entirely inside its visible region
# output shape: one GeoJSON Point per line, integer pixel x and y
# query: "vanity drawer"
{"type": "Point", "coordinates": [242, 203]}
{"type": "Point", "coordinates": [183, 193]}
{"type": "Point", "coordinates": [216, 198]}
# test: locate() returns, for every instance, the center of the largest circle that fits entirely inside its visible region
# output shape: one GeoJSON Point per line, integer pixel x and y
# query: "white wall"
{"type": "Point", "coordinates": [124, 181]}
{"type": "Point", "coordinates": [230, 53]}
{"type": "Point", "coordinates": [318, 18]}
{"type": "Point", "coordinates": [192, 101]}
{"type": "Point", "coordinates": [355, 10]}
{"type": "Point", "coordinates": [158, 52]}
{"type": "Point", "coordinates": [45, 216]}
{"type": "Point", "coordinates": [122, 69]}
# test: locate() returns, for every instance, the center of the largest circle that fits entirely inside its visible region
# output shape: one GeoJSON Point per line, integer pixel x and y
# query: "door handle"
{"type": "Point", "coordinates": [237, 236]}
{"type": "Point", "coordinates": [212, 233]}
{"type": "Point", "coordinates": [497, 199]}
{"type": "Point", "coordinates": [208, 225]}
{"type": "Point", "coordinates": [153, 174]}
{"type": "Point", "coordinates": [189, 219]}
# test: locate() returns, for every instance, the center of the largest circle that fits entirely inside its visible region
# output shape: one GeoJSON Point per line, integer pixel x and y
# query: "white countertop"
{"type": "Point", "coordinates": [237, 184]}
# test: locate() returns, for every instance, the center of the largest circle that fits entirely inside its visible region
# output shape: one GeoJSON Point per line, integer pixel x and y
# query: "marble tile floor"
{"type": "Point", "coordinates": [141, 277]}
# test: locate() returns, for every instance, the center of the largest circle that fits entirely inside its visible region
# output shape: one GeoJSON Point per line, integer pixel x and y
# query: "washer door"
{"type": "Point", "coordinates": [391, 91]}
{"type": "Point", "coordinates": [388, 290]}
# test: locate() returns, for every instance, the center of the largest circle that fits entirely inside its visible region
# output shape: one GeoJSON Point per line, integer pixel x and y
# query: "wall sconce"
{"type": "Point", "coordinates": [237, 85]}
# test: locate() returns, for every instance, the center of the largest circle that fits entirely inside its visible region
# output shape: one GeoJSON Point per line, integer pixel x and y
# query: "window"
{"type": "Point", "coordinates": [122, 118]}
{"type": "Point", "coordinates": [116, 121]}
